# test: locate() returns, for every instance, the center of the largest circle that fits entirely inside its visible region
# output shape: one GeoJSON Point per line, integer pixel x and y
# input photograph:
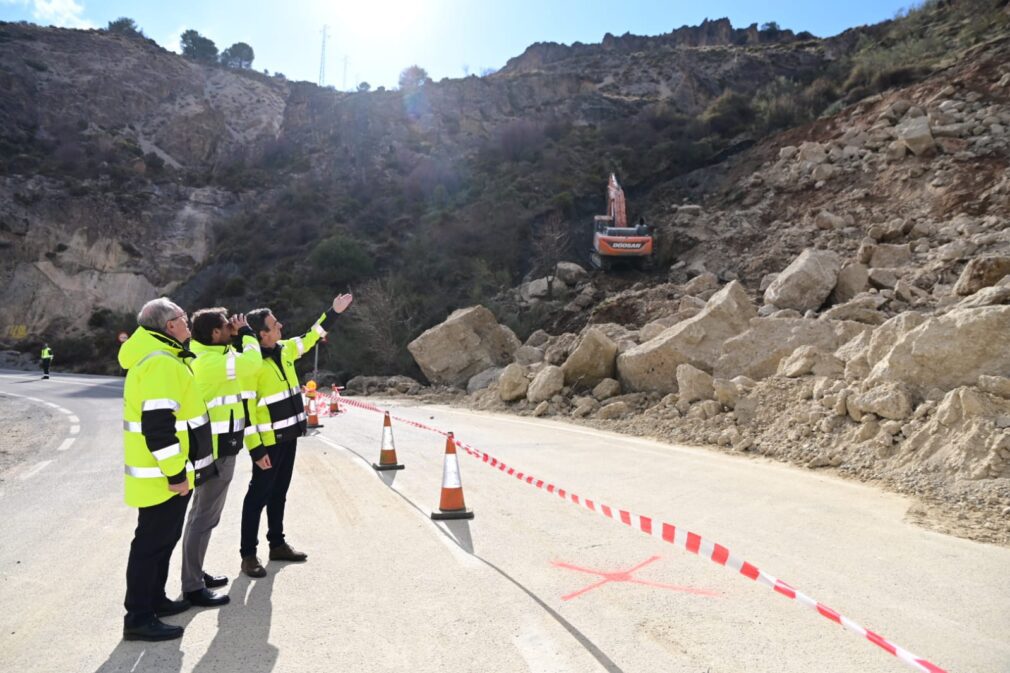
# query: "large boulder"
{"type": "Point", "coordinates": [696, 341]}
{"type": "Point", "coordinates": [890, 400]}
{"type": "Point", "coordinates": [571, 273]}
{"type": "Point", "coordinates": [513, 384]}
{"type": "Point", "coordinates": [948, 351]}
{"type": "Point", "coordinates": [592, 360]}
{"type": "Point", "coordinates": [853, 278]}
{"type": "Point", "coordinates": [756, 353]}
{"type": "Point", "coordinates": [547, 383]}
{"type": "Point", "coordinates": [887, 335]}
{"type": "Point", "coordinates": [982, 272]}
{"type": "Point", "coordinates": [915, 135]}
{"type": "Point", "coordinates": [619, 334]}
{"type": "Point", "coordinates": [810, 360]}
{"type": "Point", "coordinates": [557, 349]}
{"type": "Point", "coordinates": [861, 309]}
{"type": "Point", "coordinates": [529, 355]}
{"type": "Point", "coordinates": [694, 384]}
{"type": "Point", "coordinates": [371, 385]}
{"type": "Point", "coordinates": [606, 389]}
{"type": "Point", "coordinates": [891, 255]}
{"type": "Point", "coordinates": [807, 282]}
{"type": "Point", "coordinates": [483, 379]}
{"type": "Point", "coordinates": [537, 289]}
{"type": "Point", "coordinates": [467, 343]}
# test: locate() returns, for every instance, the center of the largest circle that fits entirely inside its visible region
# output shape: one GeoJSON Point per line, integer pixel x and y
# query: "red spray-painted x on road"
{"type": "Point", "coordinates": [625, 576]}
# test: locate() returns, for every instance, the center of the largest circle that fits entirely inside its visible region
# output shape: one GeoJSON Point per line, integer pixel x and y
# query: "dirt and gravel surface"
{"type": "Point", "coordinates": [28, 429]}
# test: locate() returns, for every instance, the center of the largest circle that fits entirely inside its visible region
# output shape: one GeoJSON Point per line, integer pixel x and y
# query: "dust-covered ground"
{"type": "Point", "coordinates": [26, 427]}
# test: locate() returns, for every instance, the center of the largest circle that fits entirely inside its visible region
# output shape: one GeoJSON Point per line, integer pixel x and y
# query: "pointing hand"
{"type": "Point", "coordinates": [341, 302]}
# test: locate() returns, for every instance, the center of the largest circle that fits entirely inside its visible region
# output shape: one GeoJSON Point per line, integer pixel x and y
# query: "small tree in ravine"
{"type": "Point", "coordinates": [239, 55]}
{"type": "Point", "coordinates": [413, 77]}
{"type": "Point", "coordinates": [550, 245]}
{"type": "Point", "coordinates": [197, 47]}
{"type": "Point", "coordinates": [125, 26]}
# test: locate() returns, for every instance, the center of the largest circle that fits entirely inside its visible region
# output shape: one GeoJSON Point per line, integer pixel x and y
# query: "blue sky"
{"type": "Point", "coordinates": [446, 37]}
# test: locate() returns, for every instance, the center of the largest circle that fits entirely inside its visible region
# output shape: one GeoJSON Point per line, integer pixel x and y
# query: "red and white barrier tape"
{"type": "Point", "coordinates": [679, 537]}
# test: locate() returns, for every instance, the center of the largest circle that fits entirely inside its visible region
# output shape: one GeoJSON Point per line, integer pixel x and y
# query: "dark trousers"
{"type": "Point", "coordinates": [158, 530]}
{"type": "Point", "coordinates": [45, 365]}
{"type": "Point", "coordinates": [268, 488]}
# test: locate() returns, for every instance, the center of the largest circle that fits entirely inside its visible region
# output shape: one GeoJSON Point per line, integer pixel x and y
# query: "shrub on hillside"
{"type": "Point", "coordinates": [729, 114]}
{"type": "Point", "coordinates": [340, 260]}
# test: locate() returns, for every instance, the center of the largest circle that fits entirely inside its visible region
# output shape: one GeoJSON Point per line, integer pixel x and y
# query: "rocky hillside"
{"type": "Point", "coordinates": [128, 171]}
{"type": "Point", "coordinates": [839, 299]}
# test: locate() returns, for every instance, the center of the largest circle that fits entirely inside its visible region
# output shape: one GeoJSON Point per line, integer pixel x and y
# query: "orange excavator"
{"type": "Point", "coordinates": [613, 239]}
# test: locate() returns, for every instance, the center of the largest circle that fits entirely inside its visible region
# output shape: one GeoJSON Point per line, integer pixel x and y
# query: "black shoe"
{"type": "Point", "coordinates": [285, 553]}
{"type": "Point", "coordinates": [168, 607]}
{"type": "Point", "coordinates": [205, 598]}
{"type": "Point", "coordinates": [214, 581]}
{"type": "Point", "coordinates": [152, 631]}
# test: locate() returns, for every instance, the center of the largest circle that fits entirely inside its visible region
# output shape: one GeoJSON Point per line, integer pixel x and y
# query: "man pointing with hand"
{"type": "Point", "coordinates": [279, 415]}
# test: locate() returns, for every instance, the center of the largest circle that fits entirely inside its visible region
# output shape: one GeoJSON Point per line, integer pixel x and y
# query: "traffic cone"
{"type": "Point", "coordinates": [313, 413]}
{"type": "Point", "coordinates": [451, 505]}
{"type": "Point", "coordinates": [387, 453]}
{"type": "Point", "coordinates": [334, 403]}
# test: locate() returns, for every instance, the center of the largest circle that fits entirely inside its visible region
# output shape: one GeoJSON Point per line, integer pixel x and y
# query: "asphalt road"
{"type": "Point", "coordinates": [533, 583]}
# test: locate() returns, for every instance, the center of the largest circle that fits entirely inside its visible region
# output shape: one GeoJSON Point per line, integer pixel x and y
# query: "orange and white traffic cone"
{"type": "Point", "coordinates": [313, 412]}
{"type": "Point", "coordinates": [334, 402]}
{"type": "Point", "coordinates": [451, 505]}
{"type": "Point", "coordinates": [387, 453]}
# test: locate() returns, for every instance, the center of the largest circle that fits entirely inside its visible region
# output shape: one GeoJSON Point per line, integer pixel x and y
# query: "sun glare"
{"type": "Point", "coordinates": [388, 19]}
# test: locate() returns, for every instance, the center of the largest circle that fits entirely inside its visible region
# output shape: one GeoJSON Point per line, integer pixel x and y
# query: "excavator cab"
{"type": "Point", "coordinates": [613, 239]}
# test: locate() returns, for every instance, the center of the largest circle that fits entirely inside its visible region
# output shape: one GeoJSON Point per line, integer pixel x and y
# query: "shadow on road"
{"type": "Point", "coordinates": [243, 629]}
{"type": "Point", "coordinates": [239, 645]}
{"type": "Point", "coordinates": [460, 532]}
{"type": "Point", "coordinates": [93, 392]}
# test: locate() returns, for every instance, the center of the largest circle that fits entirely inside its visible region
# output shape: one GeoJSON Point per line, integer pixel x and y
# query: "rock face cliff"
{"type": "Point", "coordinates": [121, 160]}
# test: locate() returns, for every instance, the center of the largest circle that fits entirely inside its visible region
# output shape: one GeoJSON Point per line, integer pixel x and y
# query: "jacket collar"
{"type": "Point", "coordinates": [172, 343]}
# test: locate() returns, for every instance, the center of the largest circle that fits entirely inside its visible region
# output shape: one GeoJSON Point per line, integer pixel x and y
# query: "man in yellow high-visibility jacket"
{"type": "Point", "coordinates": [280, 420]}
{"type": "Point", "coordinates": [47, 359]}
{"type": "Point", "coordinates": [167, 447]}
{"type": "Point", "coordinates": [219, 370]}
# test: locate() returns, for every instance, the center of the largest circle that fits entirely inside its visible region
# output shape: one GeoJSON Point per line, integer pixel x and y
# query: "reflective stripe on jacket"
{"type": "Point", "coordinates": [166, 430]}
{"type": "Point", "coordinates": [219, 370]}
{"type": "Point", "coordinates": [278, 409]}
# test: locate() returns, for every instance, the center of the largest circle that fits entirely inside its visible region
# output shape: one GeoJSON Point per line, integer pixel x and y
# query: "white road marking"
{"type": "Point", "coordinates": [66, 444]}
{"type": "Point", "coordinates": [542, 653]}
{"type": "Point", "coordinates": [54, 406]}
{"type": "Point", "coordinates": [74, 429]}
{"type": "Point", "coordinates": [35, 470]}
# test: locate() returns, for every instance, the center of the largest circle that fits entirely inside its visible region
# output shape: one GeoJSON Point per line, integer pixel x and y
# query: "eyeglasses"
{"type": "Point", "coordinates": [181, 316]}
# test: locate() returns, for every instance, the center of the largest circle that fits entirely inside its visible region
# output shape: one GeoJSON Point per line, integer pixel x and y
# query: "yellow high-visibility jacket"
{"type": "Point", "coordinates": [278, 410]}
{"type": "Point", "coordinates": [166, 433]}
{"type": "Point", "coordinates": [219, 372]}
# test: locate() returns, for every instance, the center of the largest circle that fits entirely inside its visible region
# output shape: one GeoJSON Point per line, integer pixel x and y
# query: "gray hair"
{"type": "Point", "coordinates": [157, 312]}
